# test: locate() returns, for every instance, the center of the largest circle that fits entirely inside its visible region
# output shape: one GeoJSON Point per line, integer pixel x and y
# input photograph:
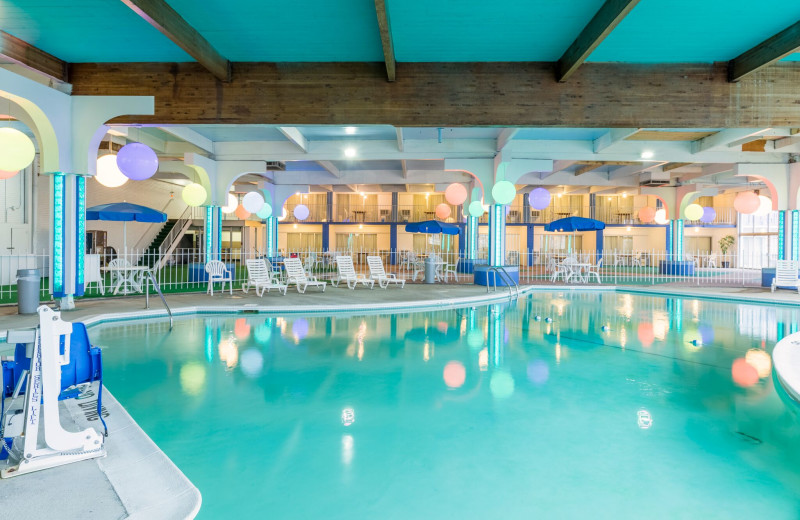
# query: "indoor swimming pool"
{"type": "Point", "coordinates": [562, 404]}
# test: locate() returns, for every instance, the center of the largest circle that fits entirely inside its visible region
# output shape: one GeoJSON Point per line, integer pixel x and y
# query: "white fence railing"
{"type": "Point", "coordinates": [184, 269]}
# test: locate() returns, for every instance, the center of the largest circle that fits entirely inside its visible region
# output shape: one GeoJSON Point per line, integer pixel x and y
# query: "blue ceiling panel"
{"type": "Point", "coordinates": [560, 134]}
{"type": "Point", "coordinates": [82, 31]}
{"type": "Point", "coordinates": [694, 30]}
{"type": "Point", "coordinates": [337, 133]}
{"type": "Point", "coordinates": [220, 133]}
{"type": "Point", "coordinates": [477, 30]}
{"type": "Point", "coordinates": [300, 30]}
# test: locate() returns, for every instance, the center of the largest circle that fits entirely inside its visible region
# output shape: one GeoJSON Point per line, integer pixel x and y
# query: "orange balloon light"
{"type": "Point", "coordinates": [746, 202]}
{"type": "Point", "coordinates": [442, 211]}
{"type": "Point", "coordinates": [241, 328]}
{"type": "Point", "coordinates": [647, 214]}
{"type": "Point", "coordinates": [744, 374]}
{"type": "Point", "coordinates": [645, 333]}
{"type": "Point", "coordinates": [454, 374]}
{"type": "Point", "coordinates": [455, 194]}
{"type": "Point", "coordinates": [241, 212]}
{"type": "Point", "coordinates": [7, 175]}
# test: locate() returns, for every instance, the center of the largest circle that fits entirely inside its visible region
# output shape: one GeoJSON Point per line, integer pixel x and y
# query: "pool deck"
{"type": "Point", "coordinates": [137, 480]}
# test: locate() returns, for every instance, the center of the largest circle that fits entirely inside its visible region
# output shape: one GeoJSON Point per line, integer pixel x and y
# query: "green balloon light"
{"type": "Point", "coordinates": [16, 150]}
{"type": "Point", "coordinates": [194, 195]}
{"type": "Point", "coordinates": [265, 211]}
{"type": "Point", "coordinates": [504, 192]}
{"type": "Point", "coordinates": [475, 208]}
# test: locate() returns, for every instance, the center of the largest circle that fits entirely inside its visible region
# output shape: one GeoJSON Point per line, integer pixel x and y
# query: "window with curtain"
{"type": "Point", "coordinates": [758, 240]}
{"type": "Point", "coordinates": [304, 241]}
{"type": "Point", "coordinates": [355, 242]}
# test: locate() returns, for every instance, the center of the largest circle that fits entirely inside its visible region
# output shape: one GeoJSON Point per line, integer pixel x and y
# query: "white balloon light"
{"type": "Point", "coordinates": [108, 174]}
{"type": "Point", "coordinates": [232, 204]}
{"type": "Point", "coordinates": [764, 206]}
{"type": "Point", "coordinates": [661, 217]}
{"type": "Point", "coordinates": [16, 150]}
{"type": "Point", "coordinates": [194, 195]}
{"type": "Point", "coordinates": [253, 202]}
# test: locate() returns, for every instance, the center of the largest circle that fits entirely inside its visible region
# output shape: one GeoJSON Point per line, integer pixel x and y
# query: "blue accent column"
{"type": "Point", "coordinates": [598, 244]}
{"type": "Point", "coordinates": [530, 239]}
{"type": "Point", "coordinates": [393, 239]}
{"type": "Point", "coordinates": [326, 236]}
{"type": "Point", "coordinates": [526, 209]}
{"type": "Point", "coordinates": [472, 238]}
{"type": "Point", "coordinates": [781, 235]}
{"type": "Point", "coordinates": [497, 235]}
{"type": "Point", "coordinates": [57, 267]}
{"type": "Point", "coordinates": [80, 233]}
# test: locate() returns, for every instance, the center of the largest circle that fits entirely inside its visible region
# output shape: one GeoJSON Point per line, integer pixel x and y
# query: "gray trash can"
{"type": "Point", "coordinates": [28, 281]}
{"type": "Point", "coordinates": [430, 270]}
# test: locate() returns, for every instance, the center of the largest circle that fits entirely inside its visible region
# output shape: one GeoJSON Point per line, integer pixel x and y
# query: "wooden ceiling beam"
{"type": "Point", "coordinates": [452, 95]}
{"type": "Point", "coordinates": [168, 22]}
{"type": "Point", "coordinates": [385, 28]}
{"type": "Point", "coordinates": [33, 58]}
{"type": "Point", "coordinates": [674, 166]}
{"type": "Point", "coordinates": [766, 53]}
{"type": "Point", "coordinates": [604, 21]}
{"type": "Point", "coordinates": [588, 168]}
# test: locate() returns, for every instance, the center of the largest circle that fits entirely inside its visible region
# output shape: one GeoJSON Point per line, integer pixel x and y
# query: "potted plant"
{"type": "Point", "coordinates": [726, 243]}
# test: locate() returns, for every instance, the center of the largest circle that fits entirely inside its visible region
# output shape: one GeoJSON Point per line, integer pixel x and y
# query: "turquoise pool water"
{"type": "Point", "coordinates": [624, 406]}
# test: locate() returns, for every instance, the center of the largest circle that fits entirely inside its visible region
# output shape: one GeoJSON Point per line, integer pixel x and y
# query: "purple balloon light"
{"type": "Point", "coordinates": [538, 372]}
{"type": "Point", "coordinates": [706, 333]}
{"type": "Point", "coordinates": [709, 214]}
{"type": "Point", "coordinates": [301, 212]}
{"type": "Point", "coordinates": [137, 161]}
{"type": "Point", "coordinates": [539, 198]}
{"type": "Point", "coordinates": [300, 328]}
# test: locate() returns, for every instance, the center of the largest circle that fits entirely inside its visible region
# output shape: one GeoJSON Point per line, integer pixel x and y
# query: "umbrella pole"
{"type": "Point", "coordinates": [125, 239]}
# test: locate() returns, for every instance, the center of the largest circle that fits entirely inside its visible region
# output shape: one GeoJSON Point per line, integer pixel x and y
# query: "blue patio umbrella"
{"type": "Point", "coordinates": [575, 224]}
{"type": "Point", "coordinates": [432, 227]}
{"type": "Point", "coordinates": [124, 212]}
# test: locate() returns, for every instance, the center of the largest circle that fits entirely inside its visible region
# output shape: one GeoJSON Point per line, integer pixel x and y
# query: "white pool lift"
{"type": "Point", "coordinates": [53, 362]}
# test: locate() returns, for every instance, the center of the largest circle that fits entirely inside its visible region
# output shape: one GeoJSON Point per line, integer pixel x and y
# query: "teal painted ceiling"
{"type": "Point", "coordinates": [423, 30]}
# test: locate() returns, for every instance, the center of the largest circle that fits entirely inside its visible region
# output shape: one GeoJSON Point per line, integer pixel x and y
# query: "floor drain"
{"type": "Point", "coordinates": [748, 438]}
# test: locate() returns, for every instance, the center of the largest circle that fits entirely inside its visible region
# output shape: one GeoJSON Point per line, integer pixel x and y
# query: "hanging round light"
{"type": "Point", "coordinates": [7, 175]}
{"type": "Point", "coordinates": [746, 202]}
{"type": "Point", "coordinates": [647, 214]}
{"type": "Point", "coordinates": [693, 212]}
{"type": "Point", "coordinates": [504, 192]}
{"type": "Point", "coordinates": [16, 150]}
{"type": "Point", "coordinates": [442, 211]}
{"type": "Point", "coordinates": [265, 211]}
{"type": "Point", "coordinates": [455, 194]}
{"type": "Point", "coordinates": [253, 202]}
{"type": "Point", "coordinates": [764, 206]}
{"type": "Point", "coordinates": [475, 208]}
{"type": "Point", "coordinates": [660, 217]}
{"type": "Point", "coordinates": [241, 213]}
{"type": "Point", "coordinates": [108, 173]}
{"type": "Point", "coordinates": [539, 198]}
{"type": "Point", "coordinates": [709, 215]}
{"type": "Point", "coordinates": [231, 205]}
{"type": "Point", "coordinates": [137, 161]}
{"type": "Point", "coordinates": [301, 212]}
{"type": "Point", "coordinates": [194, 195]}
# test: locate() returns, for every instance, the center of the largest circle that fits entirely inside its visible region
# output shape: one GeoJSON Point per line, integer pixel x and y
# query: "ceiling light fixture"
{"type": "Point", "coordinates": [647, 154]}
{"type": "Point", "coordinates": [350, 152]}
{"type": "Point", "coordinates": [350, 130]}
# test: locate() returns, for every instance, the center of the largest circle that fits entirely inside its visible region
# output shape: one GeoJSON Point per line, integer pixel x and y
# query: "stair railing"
{"type": "Point", "coordinates": [151, 279]}
{"type": "Point", "coordinates": [170, 242]}
{"type": "Point", "coordinates": [500, 271]}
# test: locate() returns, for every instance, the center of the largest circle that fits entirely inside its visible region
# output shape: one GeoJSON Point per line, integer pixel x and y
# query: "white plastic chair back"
{"type": "Point", "coordinates": [376, 269]}
{"type": "Point", "coordinates": [215, 268]}
{"type": "Point", "coordinates": [257, 272]}
{"type": "Point", "coordinates": [294, 270]}
{"type": "Point", "coordinates": [786, 273]}
{"type": "Point", "coordinates": [344, 264]}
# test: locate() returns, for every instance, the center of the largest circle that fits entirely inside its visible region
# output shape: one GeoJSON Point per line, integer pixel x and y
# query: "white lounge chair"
{"type": "Point", "coordinates": [786, 276]}
{"type": "Point", "coordinates": [261, 278]}
{"type": "Point", "coordinates": [217, 272]}
{"type": "Point", "coordinates": [377, 272]}
{"type": "Point", "coordinates": [347, 273]}
{"type": "Point", "coordinates": [295, 274]}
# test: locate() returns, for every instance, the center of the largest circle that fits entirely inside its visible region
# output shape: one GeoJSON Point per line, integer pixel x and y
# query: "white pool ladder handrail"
{"type": "Point", "coordinates": [149, 278]}
{"type": "Point", "coordinates": [501, 271]}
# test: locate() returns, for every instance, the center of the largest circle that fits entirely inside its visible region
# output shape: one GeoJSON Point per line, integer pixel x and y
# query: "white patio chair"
{"type": "Point", "coordinates": [308, 264]}
{"type": "Point", "coordinates": [558, 270]}
{"type": "Point", "coordinates": [438, 272]}
{"type": "Point", "coordinates": [451, 269]}
{"type": "Point", "coordinates": [417, 265]}
{"type": "Point", "coordinates": [594, 271]}
{"type": "Point", "coordinates": [347, 273]}
{"type": "Point", "coordinates": [295, 274]}
{"type": "Point", "coordinates": [786, 276]}
{"type": "Point", "coordinates": [377, 273]}
{"type": "Point", "coordinates": [618, 259]}
{"type": "Point", "coordinates": [261, 278]}
{"type": "Point", "coordinates": [636, 261]}
{"type": "Point", "coordinates": [712, 260]}
{"type": "Point", "coordinates": [217, 272]}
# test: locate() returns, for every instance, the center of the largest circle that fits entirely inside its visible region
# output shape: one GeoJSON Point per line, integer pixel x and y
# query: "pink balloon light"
{"type": "Point", "coordinates": [7, 175]}
{"type": "Point", "coordinates": [746, 202]}
{"type": "Point", "coordinates": [442, 211]}
{"type": "Point", "coordinates": [455, 194]}
{"type": "Point", "coordinates": [241, 212]}
{"type": "Point", "coordinates": [454, 374]}
{"type": "Point", "coordinates": [647, 214]}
